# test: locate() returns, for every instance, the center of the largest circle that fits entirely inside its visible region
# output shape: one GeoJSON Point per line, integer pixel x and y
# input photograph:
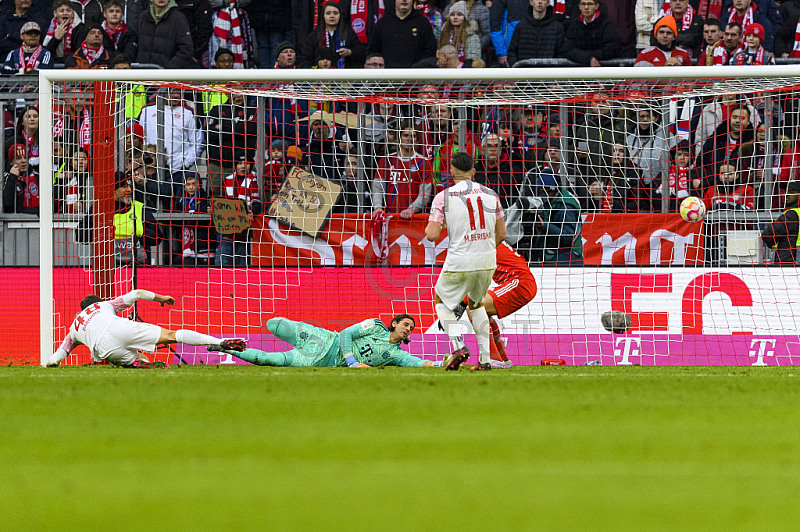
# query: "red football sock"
{"type": "Point", "coordinates": [497, 341]}
{"type": "Point", "coordinates": [493, 351]}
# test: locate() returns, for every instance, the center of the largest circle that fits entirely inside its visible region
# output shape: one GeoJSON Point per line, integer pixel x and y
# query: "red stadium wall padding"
{"type": "Point", "coordinates": [735, 316]}
{"type": "Point", "coordinates": [623, 239]}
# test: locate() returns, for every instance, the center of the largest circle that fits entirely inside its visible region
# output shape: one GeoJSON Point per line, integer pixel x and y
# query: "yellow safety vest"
{"type": "Point", "coordinates": [123, 221]}
{"type": "Point", "coordinates": [213, 99]}
{"type": "Point", "coordinates": [797, 212]}
{"type": "Point", "coordinates": [135, 101]}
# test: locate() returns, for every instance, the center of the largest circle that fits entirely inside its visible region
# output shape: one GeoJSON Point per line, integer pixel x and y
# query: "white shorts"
{"type": "Point", "coordinates": [124, 339]}
{"type": "Point", "coordinates": [451, 287]}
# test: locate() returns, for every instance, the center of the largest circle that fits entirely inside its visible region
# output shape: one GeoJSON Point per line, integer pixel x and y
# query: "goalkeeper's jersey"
{"type": "Point", "coordinates": [369, 343]}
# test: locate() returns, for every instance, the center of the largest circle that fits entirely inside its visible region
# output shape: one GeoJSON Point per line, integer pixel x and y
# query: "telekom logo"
{"type": "Point", "coordinates": [624, 285]}
{"type": "Point", "coordinates": [626, 350]}
{"type": "Point", "coordinates": [762, 350]}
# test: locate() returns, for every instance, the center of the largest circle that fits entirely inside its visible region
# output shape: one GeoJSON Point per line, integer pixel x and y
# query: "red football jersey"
{"type": "Point", "coordinates": [510, 265]}
{"type": "Point", "coordinates": [402, 177]}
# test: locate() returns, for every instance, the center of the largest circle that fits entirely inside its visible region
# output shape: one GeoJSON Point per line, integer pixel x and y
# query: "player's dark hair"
{"type": "Point", "coordinates": [462, 161]}
{"type": "Point", "coordinates": [710, 21]}
{"type": "Point", "coordinates": [120, 59]}
{"type": "Point", "coordinates": [399, 318]}
{"type": "Point", "coordinates": [735, 25]}
{"type": "Point", "coordinates": [89, 300]}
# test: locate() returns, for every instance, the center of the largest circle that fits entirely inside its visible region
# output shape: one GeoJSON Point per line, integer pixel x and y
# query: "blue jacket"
{"type": "Point", "coordinates": [563, 243]}
{"type": "Point", "coordinates": [503, 18]}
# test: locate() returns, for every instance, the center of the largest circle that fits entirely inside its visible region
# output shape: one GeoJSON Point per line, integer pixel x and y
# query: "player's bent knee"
{"type": "Point", "coordinates": [474, 306]}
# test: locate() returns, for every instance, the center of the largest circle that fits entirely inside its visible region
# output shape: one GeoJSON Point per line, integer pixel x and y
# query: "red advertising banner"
{"type": "Point", "coordinates": [348, 240]}
{"type": "Point", "coordinates": [352, 240]}
{"type": "Point", "coordinates": [641, 239]}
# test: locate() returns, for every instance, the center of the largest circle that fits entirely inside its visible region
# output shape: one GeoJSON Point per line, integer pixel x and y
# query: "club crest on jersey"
{"type": "Point", "coordinates": [367, 324]}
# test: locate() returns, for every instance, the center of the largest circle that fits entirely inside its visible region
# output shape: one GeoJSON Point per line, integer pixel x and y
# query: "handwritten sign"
{"type": "Point", "coordinates": [304, 201]}
{"type": "Point", "coordinates": [230, 216]}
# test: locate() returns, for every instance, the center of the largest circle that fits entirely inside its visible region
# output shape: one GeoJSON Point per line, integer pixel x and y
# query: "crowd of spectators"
{"type": "Point", "coordinates": [189, 33]}
{"type": "Point", "coordinates": [609, 156]}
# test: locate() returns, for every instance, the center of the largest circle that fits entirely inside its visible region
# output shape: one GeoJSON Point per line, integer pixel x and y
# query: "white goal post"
{"type": "Point", "coordinates": [569, 295]}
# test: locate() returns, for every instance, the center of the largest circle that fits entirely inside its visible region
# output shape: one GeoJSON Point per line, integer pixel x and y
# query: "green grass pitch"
{"type": "Point", "coordinates": [249, 448]}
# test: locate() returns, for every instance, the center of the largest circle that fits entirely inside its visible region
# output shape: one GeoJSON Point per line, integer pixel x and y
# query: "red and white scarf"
{"type": "Point", "coordinates": [608, 199]}
{"type": "Point", "coordinates": [559, 6]}
{"type": "Point", "coordinates": [757, 58]}
{"type": "Point", "coordinates": [51, 32]}
{"type": "Point", "coordinates": [460, 47]}
{"type": "Point", "coordinates": [358, 17]}
{"type": "Point", "coordinates": [30, 63]}
{"type": "Point", "coordinates": [425, 9]}
{"type": "Point", "coordinates": [85, 131]}
{"type": "Point", "coordinates": [91, 54]}
{"type": "Point", "coordinates": [227, 28]}
{"type": "Point", "coordinates": [115, 34]}
{"type": "Point", "coordinates": [679, 180]}
{"type": "Point", "coordinates": [594, 17]}
{"type": "Point", "coordinates": [666, 11]}
{"type": "Point", "coordinates": [796, 46]}
{"type": "Point", "coordinates": [746, 19]}
{"type": "Point", "coordinates": [710, 8]}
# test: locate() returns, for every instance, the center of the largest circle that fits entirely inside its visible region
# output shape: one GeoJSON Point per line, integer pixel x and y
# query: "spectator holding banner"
{"type": "Point", "coordinates": [241, 185]}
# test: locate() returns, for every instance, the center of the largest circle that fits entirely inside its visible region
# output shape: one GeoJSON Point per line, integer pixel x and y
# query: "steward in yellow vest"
{"type": "Point", "coordinates": [783, 234]}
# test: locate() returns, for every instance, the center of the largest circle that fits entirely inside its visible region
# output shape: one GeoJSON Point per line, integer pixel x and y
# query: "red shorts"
{"type": "Point", "coordinates": [512, 295]}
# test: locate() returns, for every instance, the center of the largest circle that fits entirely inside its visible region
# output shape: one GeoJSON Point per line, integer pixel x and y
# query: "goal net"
{"type": "Point", "coordinates": [305, 194]}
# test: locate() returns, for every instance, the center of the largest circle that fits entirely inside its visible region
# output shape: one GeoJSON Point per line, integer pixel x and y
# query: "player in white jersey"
{"type": "Point", "coordinates": [475, 225]}
{"type": "Point", "coordinates": [119, 340]}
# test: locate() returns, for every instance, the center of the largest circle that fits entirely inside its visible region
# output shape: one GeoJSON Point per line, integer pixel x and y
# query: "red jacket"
{"type": "Point", "coordinates": [658, 57]}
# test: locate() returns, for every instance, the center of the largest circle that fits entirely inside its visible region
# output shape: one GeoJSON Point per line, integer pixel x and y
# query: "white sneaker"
{"type": "Point", "coordinates": [498, 364]}
{"type": "Point", "coordinates": [509, 364]}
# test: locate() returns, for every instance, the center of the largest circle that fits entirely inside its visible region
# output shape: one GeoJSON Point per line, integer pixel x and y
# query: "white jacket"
{"type": "Point", "coordinates": [646, 14]}
{"type": "Point", "coordinates": [183, 141]}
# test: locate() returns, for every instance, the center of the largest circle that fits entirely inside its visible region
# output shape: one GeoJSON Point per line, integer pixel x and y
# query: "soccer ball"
{"type": "Point", "coordinates": [693, 209]}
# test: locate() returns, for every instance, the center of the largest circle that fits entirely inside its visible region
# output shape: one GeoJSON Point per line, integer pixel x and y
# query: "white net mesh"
{"type": "Point", "coordinates": [310, 200]}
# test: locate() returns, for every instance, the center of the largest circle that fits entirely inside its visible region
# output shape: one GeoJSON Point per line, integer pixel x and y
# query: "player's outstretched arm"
{"type": "Point", "coordinates": [61, 353]}
{"type": "Point", "coordinates": [123, 302]}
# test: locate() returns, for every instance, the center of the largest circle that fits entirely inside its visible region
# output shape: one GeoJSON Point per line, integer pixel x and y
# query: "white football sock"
{"type": "Point", "coordinates": [448, 320]}
{"type": "Point", "coordinates": [480, 322]}
{"type": "Point", "coordinates": [185, 336]}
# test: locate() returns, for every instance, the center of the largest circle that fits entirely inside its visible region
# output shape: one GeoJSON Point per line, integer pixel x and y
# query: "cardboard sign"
{"type": "Point", "coordinates": [230, 216]}
{"type": "Point", "coordinates": [304, 201]}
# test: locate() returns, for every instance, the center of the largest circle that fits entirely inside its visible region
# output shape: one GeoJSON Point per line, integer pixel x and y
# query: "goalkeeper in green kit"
{"type": "Point", "coordinates": [365, 344]}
